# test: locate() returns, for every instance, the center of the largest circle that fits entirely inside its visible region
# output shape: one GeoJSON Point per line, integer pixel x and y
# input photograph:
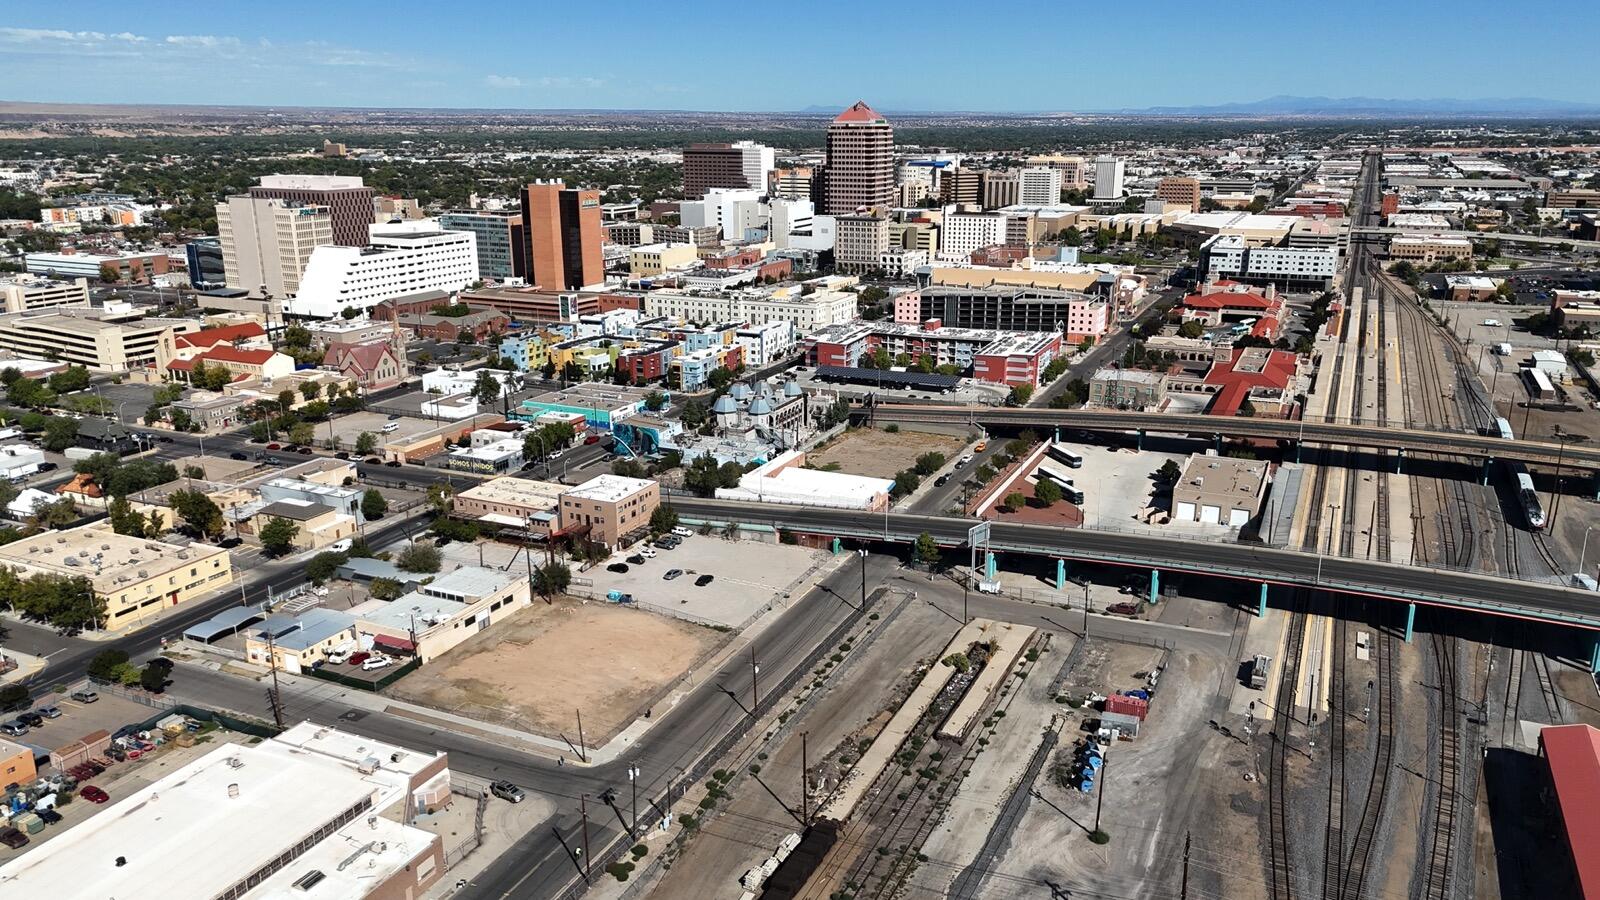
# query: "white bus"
{"type": "Point", "coordinates": [1064, 455]}
{"type": "Point", "coordinates": [1070, 491]}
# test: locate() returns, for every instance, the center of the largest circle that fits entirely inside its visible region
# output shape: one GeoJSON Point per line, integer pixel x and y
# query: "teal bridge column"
{"type": "Point", "coordinates": [838, 547]}
{"type": "Point", "coordinates": [1061, 574]}
{"type": "Point", "coordinates": [1411, 620]}
{"type": "Point", "coordinates": [1139, 442]}
{"type": "Point", "coordinates": [1261, 608]}
{"type": "Point", "coordinates": [989, 566]}
{"type": "Point", "coordinates": [1594, 658]}
{"type": "Point", "coordinates": [1155, 585]}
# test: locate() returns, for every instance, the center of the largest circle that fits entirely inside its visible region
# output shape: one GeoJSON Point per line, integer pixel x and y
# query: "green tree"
{"type": "Point", "coordinates": [311, 390]}
{"type": "Point", "coordinates": [905, 482]}
{"type": "Point", "coordinates": [487, 388]}
{"type": "Point", "coordinates": [929, 463]}
{"type": "Point", "coordinates": [1020, 395]}
{"type": "Point", "coordinates": [655, 401]}
{"type": "Point", "coordinates": [1191, 329]}
{"type": "Point", "coordinates": [551, 579]}
{"type": "Point", "coordinates": [373, 506]}
{"type": "Point", "coordinates": [419, 557]}
{"type": "Point", "coordinates": [199, 513]}
{"type": "Point", "coordinates": [153, 678]}
{"type": "Point", "coordinates": [366, 442]}
{"type": "Point", "coordinates": [927, 550]}
{"type": "Point", "coordinates": [694, 414]}
{"type": "Point", "coordinates": [1047, 492]}
{"type": "Point", "coordinates": [385, 589]}
{"type": "Point", "coordinates": [105, 662]}
{"type": "Point", "coordinates": [109, 274]}
{"type": "Point", "coordinates": [439, 498]}
{"type": "Point", "coordinates": [663, 520]}
{"type": "Point", "coordinates": [1014, 501]}
{"type": "Point", "coordinates": [323, 566]}
{"type": "Point", "coordinates": [277, 536]}
{"type": "Point", "coordinates": [302, 433]}
{"type": "Point", "coordinates": [55, 514]}
{"type": "Point", "coordinates": [75, 378]}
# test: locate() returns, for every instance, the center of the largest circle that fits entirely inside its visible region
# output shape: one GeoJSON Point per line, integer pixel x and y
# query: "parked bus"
{"type": "Point", "coordinates": [1064, 455]}
{"type": "Point", "coordinates": [1069, 491]}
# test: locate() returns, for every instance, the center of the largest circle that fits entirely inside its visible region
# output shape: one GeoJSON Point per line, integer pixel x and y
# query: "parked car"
{"type": "Point", "coordinates": [341, 546]}
{"type": "Point", "coordinates": [1123, 609]}
{"type": "Point", "coordinates": [557, 454]}
{"type": "Point", "coordinates": [942, 480]}
{"type": "Point", "coordinates": [374, 663]}
{"type": "Point", "coordinates": [13, 838]}
{"type": "Point", "coordinates": [393, 463]}
{"type": "Point", "coordinates": [230, 543]}
{"type": "Point", "coordinates": [671, 574]}
{"type": "Point", "coordinates": [85, 696]}
{"type": "Point", "coordinates": [507, 791]}
{"type": "Point", "coordinates": [619, 568]}
{"type": "Point", "coordinates": [237, 455]}
{"type": "Point", "coordinates": [31, 719]}
{"type": "Point", "coordinates": [647, 552]}
{"type": "Point", "coordinates": [14, 728]}
{"type": "Point", "coordinates": [681, 531]}
{"type": "Point", "coordinates": [704, 580]}
{"type": "Point", "coordinates": [50, 816]}
{"type": "Point", "coordinates": [49, 712]}
{"type": "Point", "coordinates": [274, 446]}
{"type": "Point", "coordinates": [358, 658]}
{"type": "Point", "coordinates": [636, 559]}
{"type": "Point", "coordinates": [591, 439]}
{"type": "Point", "coordinates": [371, 461]}
{"type": "Point", "coordinates": [304, 451]}
{"type": "Point", "coordinates": [342, 454]}
{"type": "Point", "coordinates": [393, 416]}
{"type": "Point", "coordinates": [94, 794]}
{"type": "Point", "coordinates": [47, 467]}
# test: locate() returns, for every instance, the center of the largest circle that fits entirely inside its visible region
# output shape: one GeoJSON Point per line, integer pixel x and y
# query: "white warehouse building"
{"type": "Point", "coordinates": [1228, 256]}
{"type": "Point", "coordinates": [399, 261]}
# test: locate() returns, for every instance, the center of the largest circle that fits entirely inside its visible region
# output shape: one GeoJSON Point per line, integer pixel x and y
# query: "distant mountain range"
{"type": "Point", "coordinates": [1358, 107]}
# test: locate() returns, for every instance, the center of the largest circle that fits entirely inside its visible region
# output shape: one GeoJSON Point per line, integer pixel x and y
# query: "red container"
{"type": "Point", "coordinates": [1128, 706]}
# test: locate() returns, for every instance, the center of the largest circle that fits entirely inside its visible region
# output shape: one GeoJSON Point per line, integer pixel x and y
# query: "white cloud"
{"type": "Point", "coordinates": [503, 81]}
{"type": "Point", "coordinates": [201, 40]}
{"type": "Point", "coordinates": [55, 35]}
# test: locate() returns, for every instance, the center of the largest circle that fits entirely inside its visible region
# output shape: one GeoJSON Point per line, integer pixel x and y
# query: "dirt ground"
{"type": "Point", "coordinates": [870, 451]}
{"type": "Point", "coordinates": [533, 670]}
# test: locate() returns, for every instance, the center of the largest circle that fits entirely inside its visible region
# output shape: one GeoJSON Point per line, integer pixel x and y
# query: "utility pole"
{"type": "Point", "coordinates": [863, 579]}
{"type": "Point", "coordinates": [805, 781]}
{"type": "Point", "coordinates": [583, 807]}
{"type": "Point", "coordinates": [633, 780]}
{"type": "Point", "coordinates": [1086, 609]}
{"type": "Point", "coordinates": [755, 693]}
{"type": "Point", "coordinates": [582, 750]}
{"type": "Point", "coordinates": [1185, 889]}
{"type": "Point", "coordinates": [273, 696]}
{"type": "Point", "coordinates": [1100, 796]}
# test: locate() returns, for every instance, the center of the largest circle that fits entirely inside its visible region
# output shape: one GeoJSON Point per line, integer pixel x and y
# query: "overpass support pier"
{"type": "Point", "coordinates": [1061, 574]}
{"type": "Point", "coordinates": [1594, 658]}
{"type": "Point", "coordinates": [1411, 620]}
{"type": "Point", "coordinates": [1400, 461]}
{"type": "Point", "coordinates": [990, 567]}
{"type": "Point", "coordinates": [1488, 462]}
{"type": "Point", "coordinates": [1261, 607]}
{"type": "Point", "coordinates": [1138, 440]}
{"type": "Point", "coordinates": [1155, 586]}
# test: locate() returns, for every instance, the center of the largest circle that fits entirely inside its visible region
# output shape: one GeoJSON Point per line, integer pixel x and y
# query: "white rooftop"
{"type": "Point", "coordinates": [609, 488]}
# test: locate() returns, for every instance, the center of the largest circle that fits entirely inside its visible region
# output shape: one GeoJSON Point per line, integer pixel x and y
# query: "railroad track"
{"type": "Point", "coordinates": [1280, 869]}
{"type": "Point", "coordinates": [1382, 713]}
{"type": "Point", "coordinates": [1547, 687]}
{"type": "Point", "coordinates": [1333, 858]}
{"type": "Point", "coordinates": [1439, 866]}
{"type": "Point", "coordinates": [1511, 704]}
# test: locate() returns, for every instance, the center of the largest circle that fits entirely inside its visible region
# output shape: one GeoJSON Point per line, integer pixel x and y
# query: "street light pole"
{"type": "Point", "coordinates": [633, 780]}
{"type": "Point", "coordinates": [1582, 554]}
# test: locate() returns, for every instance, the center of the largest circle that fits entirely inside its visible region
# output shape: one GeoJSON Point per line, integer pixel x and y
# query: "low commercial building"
{"type": "Point", "coordinates": [261, 365]}
{"type": "Point", "coordinates": [315, 812]}
{"type": "Point", "coordinates": [318, 525]}
{"type": "Point", "coordinates": [1474, 288]}
{"type": "Point", "coordinates": [18, 461]}
{"type": "Point", "coordinates": [437, 616]}
{"type": "Point", "coordinates": [1219, 490]}
{"type": "Point", "coordinates": [493, 458]}
{"type": "Point", "coordinates": [1429, 248]}
{"type": "Point", "coordinates": [786, 480]}
{"type": "Point", "coordinates": [23, 292]}
{"type": "Point", "coordinates": [16, 763]}
{"type": "Point", "coordinates": [295, 643]}
{"type": "Point", "coordinates": [601, 405]}
{"type": "Point", "coordinates": [134, 576]}
{"type": "Point", "coordinates": [614, 509]}
{"type": "Point", "coordinates": [124, 268]}
{"type": "Point", "coordinates": [512, 503]}
{"type": "Point", "coordinates": [650, 260]}
{"type": "Point", "coordinates": [1572, 753]}
{"type": "Point", "coordinates": [481, 324]}
{"type": "Point", "coordinates": [1576, 309]}
{"type": "Point", "coordinates": [333, 495]}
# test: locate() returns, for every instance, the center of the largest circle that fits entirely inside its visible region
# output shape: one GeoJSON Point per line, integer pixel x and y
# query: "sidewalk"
{"type": "Point", "coordinates": [27, 666]}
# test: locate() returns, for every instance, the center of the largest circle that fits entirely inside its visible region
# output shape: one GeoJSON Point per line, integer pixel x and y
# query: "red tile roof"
{"type": "Point", "coordinates": [227, 354]}
{"type": "Point", "coordinates": [365, 356]}
{"type": "Point", "coordinates": [1277, 372]}
{"type": "Point", "coordinates": [860, 112]}
{"type": "Point", "coordinates": [1229, 300]}
{"type": "Point", "coordinates": [1574, 755]}
{"type": "Point", "coordinates": [211, 337]}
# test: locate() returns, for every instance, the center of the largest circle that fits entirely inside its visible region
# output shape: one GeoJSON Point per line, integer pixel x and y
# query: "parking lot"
{"type": "Point", "coordinates": [746, 577]}
{"type": "Point", "coordinates": [348, 428]}
{"type": "Point", "coordinates": [108, 713]}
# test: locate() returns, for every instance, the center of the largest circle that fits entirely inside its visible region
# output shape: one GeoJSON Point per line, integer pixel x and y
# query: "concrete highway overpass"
{"type": "Point", "coordinates": [1356, 436]}
{"type": "Point", "coordinates": [1361, 232]}
{"type": "Point", "coordinates": [1412, 584]}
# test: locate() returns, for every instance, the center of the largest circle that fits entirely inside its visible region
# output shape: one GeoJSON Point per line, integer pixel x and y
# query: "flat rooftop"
{"type": "Point", "coordinates": [109, 560]}
{"type": "Point", "coordinates": [515, 491]}
{"type": "Point", "coordinates": [609, 488]}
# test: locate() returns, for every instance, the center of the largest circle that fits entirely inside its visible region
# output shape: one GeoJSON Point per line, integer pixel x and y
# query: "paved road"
{"type": "Point", "coordinates": [1101, 354]}
{"type": "Point", "coordinates": [1439, 587]}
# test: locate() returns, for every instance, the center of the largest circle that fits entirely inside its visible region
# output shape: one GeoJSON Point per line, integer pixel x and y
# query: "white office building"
{"type": "Point", "coordinates": [1040, 186]}
{"type": "Point", "coordinates": [806, 312]}
{"type": "Point", "coordinates": [267, 244]}
{"type": "Point", "coordinates": [766, 343]}
{"type": "Point", "coordinates": [1109, 173]}
{"type": "Point", "coordinates": [406, 258]}
{"type": "Point", "coordinates": [964, 232]}
{"type": "Point", "coordinates": [759, 161]}
{"type": "Point", "coordinates": [786, 218]}
{"type": "Point", "coordinates": [1229, 256]}
{"type": "Point", "coordinates": [734, 211]}
{"type": "Point", "coordinates": [22, 292]}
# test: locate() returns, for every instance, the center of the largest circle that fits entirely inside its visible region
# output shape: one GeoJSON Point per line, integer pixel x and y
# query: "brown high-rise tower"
{"type": "Point", "coordinates": [860, 169]}
{"type": "Point", "coordinates": [562, 229]}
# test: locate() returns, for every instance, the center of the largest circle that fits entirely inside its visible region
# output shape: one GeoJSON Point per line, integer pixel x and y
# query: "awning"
{"type": "Point", "coordinates": [394, 643]}
{"type": "Point", "coordinates": [229, 621]}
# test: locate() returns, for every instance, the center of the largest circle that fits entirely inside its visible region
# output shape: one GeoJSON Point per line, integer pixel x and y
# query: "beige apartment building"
{"type": "Point", "coordinates": [616, 510]}
{"type": "Point", "coordinates": [1176, 189]}
{"type": "Point", "coordinates": [650, 260]}
{"type": "Point", "coordinates": [136, 577]}
{"type": "Point", "coordinates": [113, 338]}
{"type": "Point", "coordinates": [1074, 173]}
{"type": "Point", "coordinates": [267, 243]}
{"type": "Point", "coordinates": [512, 502]}
{"type": "Point", "coordinates": [23, 292]}
{"type": "Point", "coordinates": [859, 243]}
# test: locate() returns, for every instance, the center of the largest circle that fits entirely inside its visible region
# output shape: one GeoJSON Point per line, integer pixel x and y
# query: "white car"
{"type": "Point", "coordinates": [376, 662]}
{"type": "Point", "coordinates": [557, 454]}
{"type": "Point", "coordinates": [341, 546]}
{"type": "Point", "coordinates": [681, 531]}
{"type": "Point", "coordinates": [647, 552]}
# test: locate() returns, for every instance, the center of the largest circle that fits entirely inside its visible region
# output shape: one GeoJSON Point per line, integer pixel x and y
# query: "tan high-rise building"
{"type": "Point", "coordinates": [267, 243]}
{"type": "Point", "coordinates": [348, 200]}
{"type": "Point", "coordinates": [1072, 168]}
{"type": "Point", "coordinates": [860, 170]}
{"type": "Point", "coordinates": [1174, 189]}
{"type": "Point", "coordinates": [1002, 188]}
{"type": "Point", "coordinates": [563, 232]}
{"type": "Point", "coordinates": [792, 184]}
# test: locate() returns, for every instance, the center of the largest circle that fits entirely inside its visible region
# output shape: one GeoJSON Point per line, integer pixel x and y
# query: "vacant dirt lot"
{"type": "Point", "coordinates": [533, 670]}
{"type": "Point", "coordinates": [871, 451]}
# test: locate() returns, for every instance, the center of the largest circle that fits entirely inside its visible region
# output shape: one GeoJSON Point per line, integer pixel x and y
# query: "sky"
{"type": "Point", "coordinates": [934, 55]}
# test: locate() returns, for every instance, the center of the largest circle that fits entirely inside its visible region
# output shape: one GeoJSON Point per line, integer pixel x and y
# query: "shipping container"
{"type": "Point", "coordinates": [1128, 706]}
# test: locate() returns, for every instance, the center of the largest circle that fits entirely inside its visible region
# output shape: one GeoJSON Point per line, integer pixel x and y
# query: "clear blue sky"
{"type": "Point", "coordinates": [716, 55]}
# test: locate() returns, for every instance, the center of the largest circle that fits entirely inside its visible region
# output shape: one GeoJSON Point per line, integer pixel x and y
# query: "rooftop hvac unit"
{"type": "Point", "coordinates": [233, 790]}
